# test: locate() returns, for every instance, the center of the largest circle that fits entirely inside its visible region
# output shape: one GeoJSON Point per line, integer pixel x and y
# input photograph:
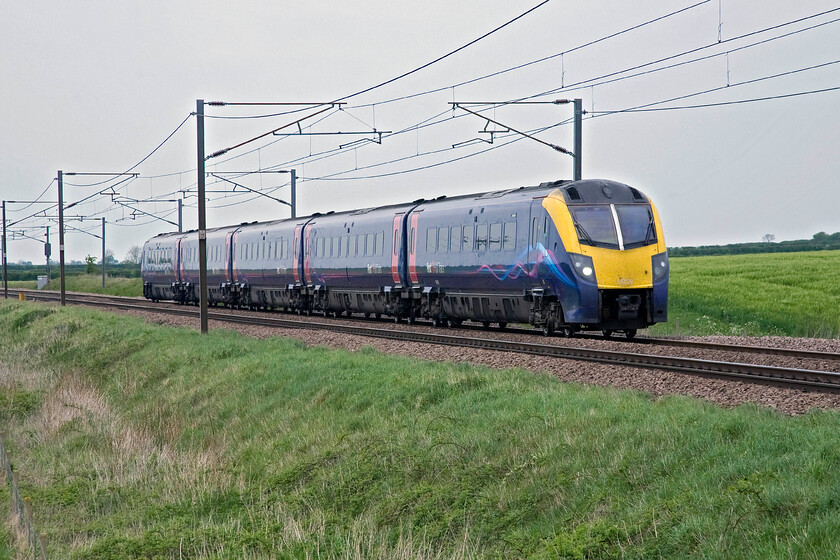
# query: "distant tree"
{"type": "Point", "coordinates": [25, 263]}
{"type": "Point", "coordinates": [90, 264]}
{"type": "Point", "coordinates": [109, 257]}
{"type": "Point", "coordinates": [768, 238]}
{"type": "Point", "coordinates": [134, 254]}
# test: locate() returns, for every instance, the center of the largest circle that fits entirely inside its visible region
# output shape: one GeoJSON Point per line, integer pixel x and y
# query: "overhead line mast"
{"type": "Point", "coordinates": [578, 118]}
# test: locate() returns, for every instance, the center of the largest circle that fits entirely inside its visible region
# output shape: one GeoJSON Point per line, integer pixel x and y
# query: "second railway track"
{"type": "Point", "coordinates": [805, 379]}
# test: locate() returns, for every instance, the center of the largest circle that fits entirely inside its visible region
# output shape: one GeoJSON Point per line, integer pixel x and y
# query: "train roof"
{"type": "Point", "coordinates": [587, 191]}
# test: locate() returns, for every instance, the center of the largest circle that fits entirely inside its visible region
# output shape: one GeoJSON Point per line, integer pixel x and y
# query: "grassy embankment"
{"type": "Point", "coordinates": [140, 441]}
{"type": "Point", "coordinates": [790, 294]}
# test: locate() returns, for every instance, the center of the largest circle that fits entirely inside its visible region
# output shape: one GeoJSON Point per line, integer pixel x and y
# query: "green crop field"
{"type": "Point", "coordinates": [791, 294]}
{"type": "Point", "coordinates": [136, 441]}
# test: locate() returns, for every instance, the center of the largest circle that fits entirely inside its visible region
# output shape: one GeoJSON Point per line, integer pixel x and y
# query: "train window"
{"type": "Point", "coordinates": [335, 246]}
{"type": "Point", "coordinates": [636, 221]}
{"type": "Point", "coordinates": [455, 239]}
{"type": "Point", "coordinates": [396, 242]}
{"type": "Point", "coordinates": [495, 237]}
{"type": "Point", "coordinates": [411, 246]}
{"type": "Point", "coordinates": [380, 243]}
{"type": "Point", "coordinates": [443, 239]}
{"type": "Point", "coordinates": [351, 248]}
{"type": "Point", "coordinates": [509, 240]}
{"type": "Point", "coordinates": [469, 238]}
{"type": "Point", "coordinates": [595, 225]}
{"type": "Point", "coordinates": [481, 237]}
{"type": "Point", "coordinates": [371, 247]}
{"type": "Point", "coordinates": [431, 241]}
{"type": "Point", "coordinates": [343, 246]}
{"type": "Point", "coordinates": [360, 245]}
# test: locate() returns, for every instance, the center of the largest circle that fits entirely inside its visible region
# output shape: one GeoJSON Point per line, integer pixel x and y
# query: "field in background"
{"type": "Point", "coordinates": [89, 283]}
{"type": "Point", "coordinates": [787, 294]}
{"type": "Point", "coordinates": [141, 441]}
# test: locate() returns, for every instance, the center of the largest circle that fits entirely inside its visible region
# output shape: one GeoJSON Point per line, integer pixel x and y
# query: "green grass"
{"type": "Point", "coordinates": [139, 441]}
{"type": "Point", "coordinates": [791, 294]}
{"type": "Point", "coordinates": [91, 284]}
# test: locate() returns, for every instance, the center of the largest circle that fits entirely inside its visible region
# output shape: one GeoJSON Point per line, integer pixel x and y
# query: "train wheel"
{"type": "Point", "coordinates": [486, 324]}
{"type": "Point", "coordinates": [502, 326]}
{"type": "Point", "coordinates": [607, 333]}
{"type": "Point", "coordinates": [377, 316]}
{"type": "Point", "coordinates": [548, 329]}
{"type": "Point", "coordinates": [567, 332]}
{"type": "Point", "coordinates": [630, 334]}
{"type": "Point", "coordinates": [436, 322]}
{"type": "Point", "coordinates": [397, 319]}
{"type": "Point", "coordinates": [367, 315]}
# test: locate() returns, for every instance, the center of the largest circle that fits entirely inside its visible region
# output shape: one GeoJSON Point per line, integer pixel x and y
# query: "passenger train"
{"type": "Point", "coordinates": [563, 256]}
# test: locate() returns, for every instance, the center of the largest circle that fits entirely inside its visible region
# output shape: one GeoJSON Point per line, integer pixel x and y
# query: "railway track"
{"type": "Point", "coordinates": [804, 379]}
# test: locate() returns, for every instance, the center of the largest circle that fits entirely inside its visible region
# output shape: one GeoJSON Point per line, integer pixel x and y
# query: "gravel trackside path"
{"type": "Point", "coordinates": [655, 382]}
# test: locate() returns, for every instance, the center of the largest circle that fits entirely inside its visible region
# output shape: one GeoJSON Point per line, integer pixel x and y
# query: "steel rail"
{"type": "Point", "coordinates": [679, 343]}
{"type": "Point", "coordinates": [782, 376]}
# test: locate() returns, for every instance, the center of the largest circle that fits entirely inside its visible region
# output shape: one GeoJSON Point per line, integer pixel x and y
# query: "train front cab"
{"type": "Point", "coordinates": [613, 242]}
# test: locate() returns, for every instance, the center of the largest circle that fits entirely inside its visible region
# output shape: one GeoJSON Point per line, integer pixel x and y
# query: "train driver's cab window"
{"type": "Point", "coordinates": [637, 226]}
{"type": "Point", "coordinates": [595, 225]}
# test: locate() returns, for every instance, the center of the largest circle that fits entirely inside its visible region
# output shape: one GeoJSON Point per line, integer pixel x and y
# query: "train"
{"type": "Point", "coordinates": [563, 256]}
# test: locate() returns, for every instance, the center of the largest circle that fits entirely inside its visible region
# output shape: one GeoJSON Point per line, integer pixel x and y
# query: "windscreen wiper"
{"type": "Point", "coordinates": [582, 233]}
{"type": "Point", "coordinates": [650, 230]}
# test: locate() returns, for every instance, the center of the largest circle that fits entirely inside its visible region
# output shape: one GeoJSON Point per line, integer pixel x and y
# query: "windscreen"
{"type": "Point", "coordinates": [636, 221]}
{"type": "Point", "coordinates": [614, 226]}
{"type": "Point", "coordinates": [595, 225]}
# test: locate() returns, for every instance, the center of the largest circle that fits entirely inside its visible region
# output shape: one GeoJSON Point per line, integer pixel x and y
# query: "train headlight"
{"type": "Point", "coordinates": [659, 264]}
{"type": "Point", "coordinates": [583, 266]}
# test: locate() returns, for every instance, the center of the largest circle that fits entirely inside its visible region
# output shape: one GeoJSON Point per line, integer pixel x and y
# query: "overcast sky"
{"type": "Point", "coordinates": [96, 86]}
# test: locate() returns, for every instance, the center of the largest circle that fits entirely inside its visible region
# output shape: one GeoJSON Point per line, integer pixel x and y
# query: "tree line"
{"type": "Point", "coordinates": [820, 242]}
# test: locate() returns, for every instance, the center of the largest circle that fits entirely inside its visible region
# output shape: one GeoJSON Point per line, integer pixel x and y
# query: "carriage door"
{"type": "Point", "coordinates": [412, 247]}
{"type": "Point", "coordinates": [538, 236]}
{"type": "Point", "coordinates": [297, 257]}
{"type": "Point", "coordinates": [396, 236]}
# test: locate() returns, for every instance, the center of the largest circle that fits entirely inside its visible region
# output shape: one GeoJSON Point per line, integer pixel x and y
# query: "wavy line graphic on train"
{"type": "Point", "coordinates": [531, 267]}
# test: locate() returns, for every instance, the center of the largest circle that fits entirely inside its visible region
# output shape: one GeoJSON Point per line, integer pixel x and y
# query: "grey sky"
{"type": "Point", "coordinates": [95, 86]}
